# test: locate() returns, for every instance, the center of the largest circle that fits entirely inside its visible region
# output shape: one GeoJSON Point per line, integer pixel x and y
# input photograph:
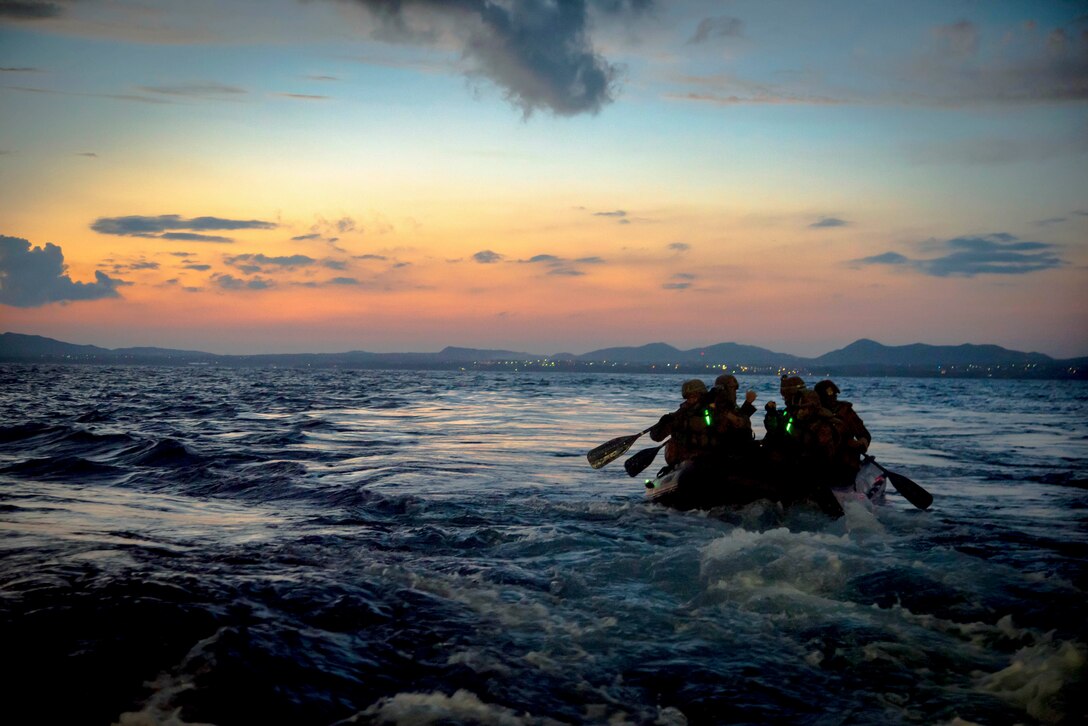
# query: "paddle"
{"type": "Point", "coordinates": [911, 491]}
{"type": "Point", "coordinates": [826, 500]}
{"type": "Point", "coordinates": [612, 450]}
{"type": "Point", "coordinates": [642, 459]}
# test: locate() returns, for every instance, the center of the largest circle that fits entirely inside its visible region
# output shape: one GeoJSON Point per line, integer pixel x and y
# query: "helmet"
{"type": "Point", "coordinates": [791, 384]}
{"type": "Point", "coordinates": [692, 387]}
{"type": "Point", "coordinates": [726, 381]}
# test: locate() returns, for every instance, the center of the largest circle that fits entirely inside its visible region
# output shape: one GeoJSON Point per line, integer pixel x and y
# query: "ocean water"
{"type": "Point", "coordinates": [271, 546]}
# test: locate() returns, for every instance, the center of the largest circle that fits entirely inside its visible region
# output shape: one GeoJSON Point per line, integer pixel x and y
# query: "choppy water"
{"type": "Point", "coordinates": [203, 545]}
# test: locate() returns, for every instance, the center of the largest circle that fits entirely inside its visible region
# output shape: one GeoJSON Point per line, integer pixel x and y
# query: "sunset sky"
{"type": "Point", "coordinates": [244, 176]}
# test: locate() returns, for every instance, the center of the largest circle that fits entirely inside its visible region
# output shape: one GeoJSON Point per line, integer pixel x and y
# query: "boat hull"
{"type": "Point", "coordinates": [696, 485]}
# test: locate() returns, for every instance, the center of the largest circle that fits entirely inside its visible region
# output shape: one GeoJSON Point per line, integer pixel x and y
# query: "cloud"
{"type": "Point", "coordinates": [547, 259]}
{"type": "Point", "coordinates": [957, 40]}
{"type": "Point", "coordinates": [375, 257]}
{"type": "Point", "coordinates": [679, 281]}
{"type": "Point", "coordinates": [679, 246]}
{"type": "Point", "coordinates": [198, 268]}
{"type": "Point", "coordinates": [993, 254]}
{"type": "Point", "coordinates": [720, 27]}
{"type": "Point", "coordinates": [303, 96]}
{"type": "Point", "coordinates": [305, 237]}
{"type": "Point", "coordinates": [888, 258]}
{"type": "Point", "coordinates": [20, 69]}
{"type": "Point", "coordinates": [729, 90]}
{"type": "Point", "coordinates": [32, 277]}
{"type": "Point", "coordinates": [230, 282]}
{"type": "Point", "coordinates": [962, 65]}
{"type": "Point", "coordinates": [191, 237]}
{"type": "Point", "coordinates": [620, 215]}
{"type": "Point", "coordinates": [30, 10]}
{"type": "Point", "coordinates": [133, 266]}
{"type": "Point", "coordinates": [538, 52]}
{"type": "Point", "coordinates": [156, 227]}
{"type": "Point", "coordinates": [115, 96]}
{"type": "Point", "coordinates": [258, 262]}
{"type": "Point", "coordinates": [828, 222]}
{"type": "Point", "coordinates": [561, 266]}
{"type": "Point", "coordinates": [203, 91]}
{"type": "Point", "coordinates": [487, 257]}
{"type": "Point", "coordinates": [344, 281]}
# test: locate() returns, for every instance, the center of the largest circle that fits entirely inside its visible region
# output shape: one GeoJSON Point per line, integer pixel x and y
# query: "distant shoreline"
{"type": "Point", "coordinates": [863, 358]}
{"type": "Point", "coordinates": [951, 372]}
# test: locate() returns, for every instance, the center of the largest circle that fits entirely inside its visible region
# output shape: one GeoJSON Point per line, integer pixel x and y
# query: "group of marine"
{"type": "Point", "coordinates": [815, 433]}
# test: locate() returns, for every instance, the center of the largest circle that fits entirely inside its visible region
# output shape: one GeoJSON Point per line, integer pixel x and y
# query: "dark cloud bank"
{"type": "Point", "coordinates": [158, 227]}
{"type": "Point", "coordinates": [992, 254]}
{"type": "Point", "coordinates": [31, 277]}
{"type": "Point", "coordinates": [538, 52]}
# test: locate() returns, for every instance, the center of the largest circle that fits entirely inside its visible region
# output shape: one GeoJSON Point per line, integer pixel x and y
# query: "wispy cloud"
{"type": "Point", "coordinates": [561, 266]}
{"type": "Point", "coordinates": [716, 28]}
{"type": "Point", "coordinates": [993, 254]}
{"type": "Point", "coordinates": [230, 282]}
{"type": "Point", "coordinates": [679, 281]}
{"type": "Point", "coordinates": [156, 227]}
{"type": "Point", "coordinates": [30, 9]}
{"type": "Point", "coordinates": [32, 277]}
{"type": "Point", "coordinates": [204, 91]}
{"type": "Point", "coordinates": [136, 266]}
{"type": "Point", "coordinates": [619, 215]}
{"type": "Point", "coordinates": [192, 237]}
{"type": "Point", "coordinates": [828, 222]}
{"type": "Point", "coordinates": [731, 90]}
{"type": "Point", "coordinates": [261, 262]}
{"type": "Point", "coordinates": [136, 98]}
{"type": "Point", "coordinates": [303, 96]}
{"type": "Point", "coordinates": [487, 257]}
{"type": "Point", "coordinates": [963, 65]}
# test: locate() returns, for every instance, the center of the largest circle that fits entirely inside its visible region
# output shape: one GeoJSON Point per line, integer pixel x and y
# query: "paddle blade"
{"type": "Point", "coordinates": [641, 460]}
{"type": "Point", "coordinates": [611, 450]}
{"type": "Point", "coordinates": [910, 490]}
